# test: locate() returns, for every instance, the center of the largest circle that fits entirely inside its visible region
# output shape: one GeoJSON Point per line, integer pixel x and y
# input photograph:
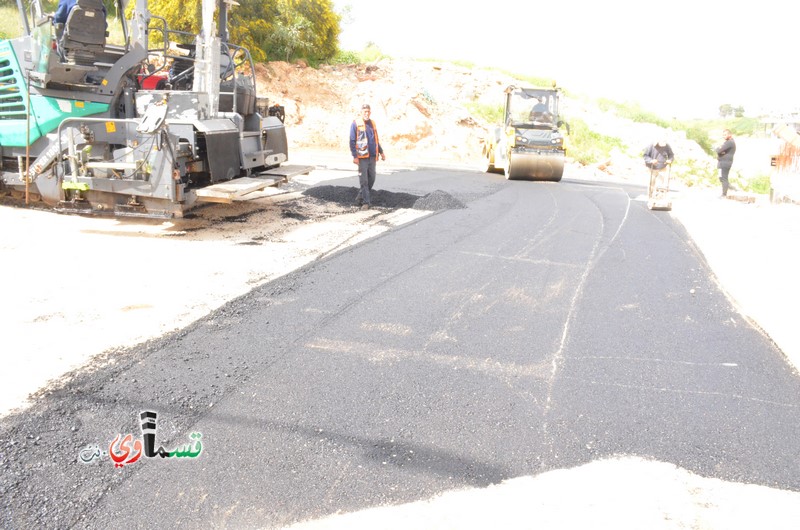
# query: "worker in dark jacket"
{"type": "Point", "coordinates": [657, 157]}
{"type": "Point", "coordinates": [725, 159]}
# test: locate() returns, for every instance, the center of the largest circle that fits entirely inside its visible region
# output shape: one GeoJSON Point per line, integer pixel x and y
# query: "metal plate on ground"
{"type": "Point", "coordinates": [288, 171]}
{"type": "Point", "coordinates": [235, 189]}
{"type": "Point", "coordinates": [659, 204]}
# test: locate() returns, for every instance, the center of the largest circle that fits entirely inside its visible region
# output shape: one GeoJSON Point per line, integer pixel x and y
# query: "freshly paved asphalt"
{"type": "Point", "coordinates": [753, 250]}
{"type": "Point", "coordinates": [542, 327]}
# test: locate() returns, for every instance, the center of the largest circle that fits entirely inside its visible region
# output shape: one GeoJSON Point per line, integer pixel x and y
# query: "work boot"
{"type": "Point", "coordinates": [365, 206]}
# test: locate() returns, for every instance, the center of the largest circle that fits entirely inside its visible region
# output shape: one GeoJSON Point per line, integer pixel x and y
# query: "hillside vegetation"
{"type": "Point", "coordinates": [431, 111]}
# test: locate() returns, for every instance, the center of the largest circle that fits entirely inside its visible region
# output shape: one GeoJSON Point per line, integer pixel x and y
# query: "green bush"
{"type": "Point", "coordinates": [632, 111]}
{"type": "Point", "coordinates": [587, 146]}
{"type": "Point", "coordinates": [694, 173]}
{"type": "Point", "coordinates": [489, 113]}
{"type": "Point", "coordinates": [345, 57]}
{"type": "Point", "coordinates": [533, 81]}
{"type": "Point", "coordinates": [758, 184]}
{"type": "Point", "coordinates": [744, 126]}
{"type": "Point", "coordinates": [371, 54]}
{"type": "Point", "coordinates": [700, 136]}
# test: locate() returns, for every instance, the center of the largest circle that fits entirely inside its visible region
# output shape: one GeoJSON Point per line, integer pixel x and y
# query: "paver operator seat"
{"type": "Point", "coordinates": [84, 34]}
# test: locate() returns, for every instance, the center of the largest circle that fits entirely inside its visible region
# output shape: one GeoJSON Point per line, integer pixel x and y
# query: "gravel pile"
{"type": "Point", "coordinates": [346, 196]}
{"type": "Point", "coordinates": [438, 200]}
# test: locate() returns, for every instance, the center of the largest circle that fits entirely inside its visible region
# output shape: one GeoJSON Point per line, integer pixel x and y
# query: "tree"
{"type": "Point", "coordinates": [179, 14]}
{"type": "Point", "coordinates": [298, 28]}
{"type": "Point", "coordinates": [293, 31]}
{"type": "Point", "coordinates": [270, 29]}
{"type": "Point", "coordinates": [726, 110]}
{"type": "Point", "coordinates": [325, 26]}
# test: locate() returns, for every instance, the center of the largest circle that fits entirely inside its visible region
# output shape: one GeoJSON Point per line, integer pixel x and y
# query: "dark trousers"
{"type": "Point", "coordinates": [366, 178]}
{"type": "Point", "coordinates": [723, 178]}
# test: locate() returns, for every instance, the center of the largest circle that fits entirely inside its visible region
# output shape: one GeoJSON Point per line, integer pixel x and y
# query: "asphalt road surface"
{"type": "Point", "coordinates": [542, 326]}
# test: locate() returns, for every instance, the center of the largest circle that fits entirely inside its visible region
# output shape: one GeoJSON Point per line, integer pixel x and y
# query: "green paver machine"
{"type": "Point", "coordinates": [92, 127]}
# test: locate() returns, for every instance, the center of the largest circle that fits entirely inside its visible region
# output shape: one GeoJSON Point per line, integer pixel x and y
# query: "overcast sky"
{"type": "Point", "coordinates": [680, 58]}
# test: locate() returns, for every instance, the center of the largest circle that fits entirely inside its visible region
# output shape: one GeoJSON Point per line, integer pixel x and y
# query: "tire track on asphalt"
{"type": "Point", "coordinates": [597, 252]}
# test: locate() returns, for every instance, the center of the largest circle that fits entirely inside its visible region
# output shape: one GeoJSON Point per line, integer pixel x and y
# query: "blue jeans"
{"type": "Point", "coordinates": [366, 178]}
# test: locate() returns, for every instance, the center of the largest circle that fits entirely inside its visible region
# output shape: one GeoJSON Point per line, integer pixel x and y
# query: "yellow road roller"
{"type": "Point", "coordinates": [529, 145]}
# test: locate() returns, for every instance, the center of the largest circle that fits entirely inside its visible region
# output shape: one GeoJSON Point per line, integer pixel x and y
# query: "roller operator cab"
{"type": "Point", "coordinates": [529, 144]}
{"type": "Point", "coordinates": [130, 129]}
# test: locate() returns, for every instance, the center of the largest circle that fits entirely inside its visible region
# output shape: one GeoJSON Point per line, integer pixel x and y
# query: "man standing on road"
{"type": "Point", "coordinates": [725, 159]}
{"type": "Point", "coordinates": [365, 148]}
{"type": "Point", "coordinates": [657, 157]}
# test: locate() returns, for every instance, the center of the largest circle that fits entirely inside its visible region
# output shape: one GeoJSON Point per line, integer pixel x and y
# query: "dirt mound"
{"type": "Point", "coordinates": [421, 109]}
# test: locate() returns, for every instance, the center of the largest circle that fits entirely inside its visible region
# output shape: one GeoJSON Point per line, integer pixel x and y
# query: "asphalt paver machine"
{"type": "Point", "coordinates": [133, 129]}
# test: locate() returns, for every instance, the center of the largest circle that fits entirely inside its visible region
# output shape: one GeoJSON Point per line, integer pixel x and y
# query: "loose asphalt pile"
{"type": "Point", "coordinates": [438, 200]}
{"type": "Point", "coordinates": [346, 196]}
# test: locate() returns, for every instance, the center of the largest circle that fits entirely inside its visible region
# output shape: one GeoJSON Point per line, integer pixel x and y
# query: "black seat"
{"type": "Point", "coordinates": [84, 35]}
